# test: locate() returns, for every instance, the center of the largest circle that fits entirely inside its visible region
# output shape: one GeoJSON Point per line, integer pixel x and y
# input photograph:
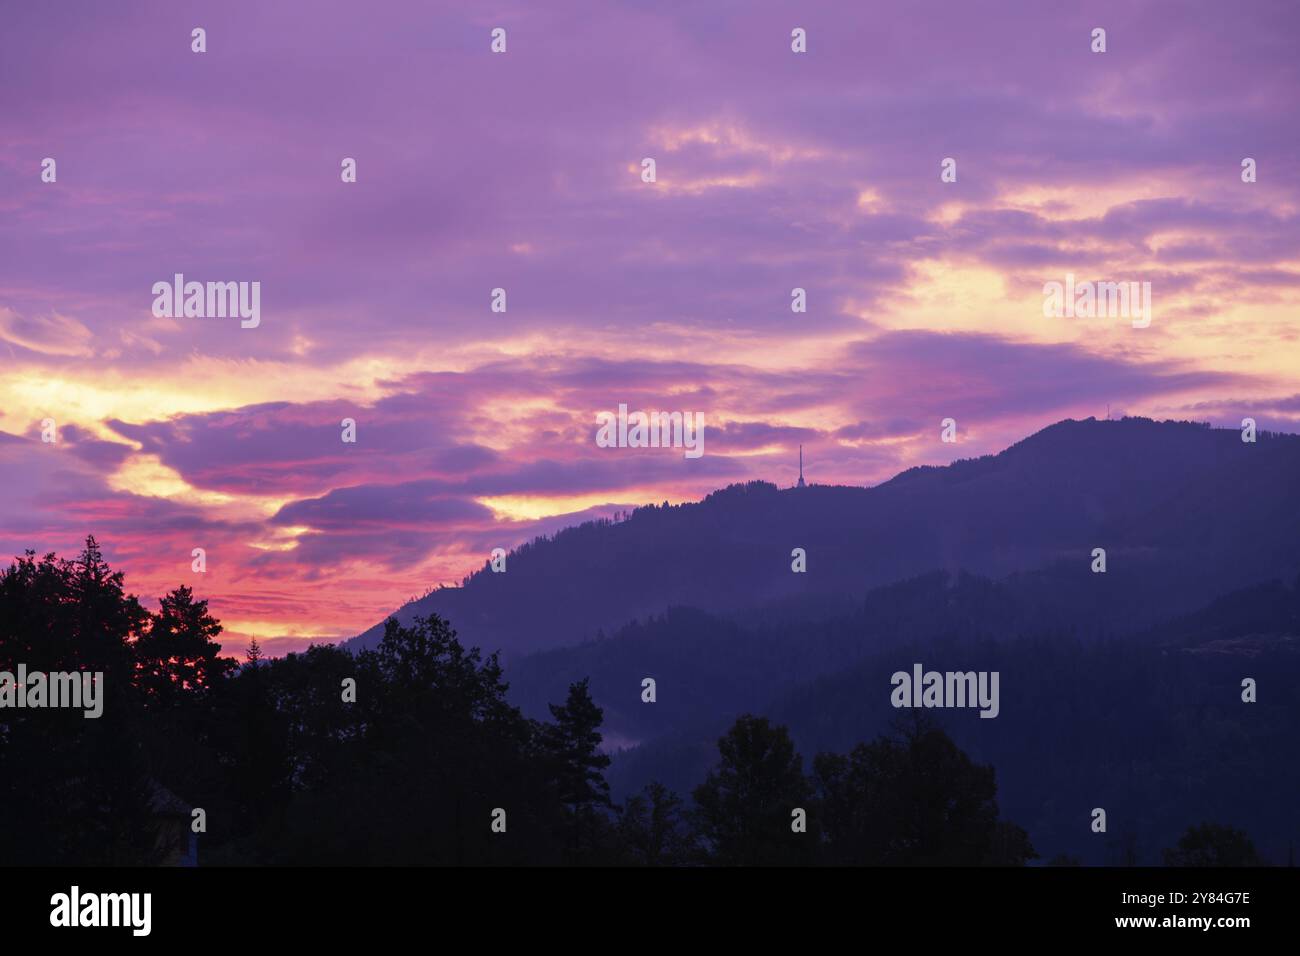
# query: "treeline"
{"type": "Point", "coordinates": [411, 754]}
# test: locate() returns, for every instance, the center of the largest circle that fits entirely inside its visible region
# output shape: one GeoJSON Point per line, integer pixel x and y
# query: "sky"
{"type": "Point", "coordinates": [522, 170]}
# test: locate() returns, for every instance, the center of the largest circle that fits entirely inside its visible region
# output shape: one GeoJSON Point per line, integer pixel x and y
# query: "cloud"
{"type": "Point", "coordinates": [52, 334]}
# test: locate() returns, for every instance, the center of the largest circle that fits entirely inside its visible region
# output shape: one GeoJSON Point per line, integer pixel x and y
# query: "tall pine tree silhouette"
{"type": "Point", "coordinates": [574, 745]}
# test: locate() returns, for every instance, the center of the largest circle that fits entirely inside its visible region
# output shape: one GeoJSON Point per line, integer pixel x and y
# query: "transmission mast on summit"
{"type": "Point", "coordinates": [801, 481]}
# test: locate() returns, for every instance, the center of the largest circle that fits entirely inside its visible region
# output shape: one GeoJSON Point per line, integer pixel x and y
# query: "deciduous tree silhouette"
{"type": "Point", "coordinates": [914, 799]}
{"type": "Point", "coordinates": [746, 803]}
{"type": "Point", "coordinates": [655, 829]}
{"type": "Point", "coordinates": [1213, 844]}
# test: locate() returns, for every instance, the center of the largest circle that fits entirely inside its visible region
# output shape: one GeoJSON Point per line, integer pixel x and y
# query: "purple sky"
{"type": "Point", "coordinates": [522, 170]}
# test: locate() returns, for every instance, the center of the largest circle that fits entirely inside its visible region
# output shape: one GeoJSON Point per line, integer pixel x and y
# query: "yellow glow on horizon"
{"type": "Point", "coordinates": [536, 507]}
{"type": "Point", "coordinates": [265, 630]}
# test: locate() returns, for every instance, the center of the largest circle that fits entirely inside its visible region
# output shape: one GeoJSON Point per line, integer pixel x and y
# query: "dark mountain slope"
{"type": "Point", "coordinates": [708, 669]}
{"type": "Point", "coordinates": [1152, 727]}
{"type": "Point", "coordinates": [1184, 511]}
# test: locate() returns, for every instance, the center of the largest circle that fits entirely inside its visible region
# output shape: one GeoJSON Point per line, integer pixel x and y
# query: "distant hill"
{"type": "Point", "coordinates": [1150, 726]}
{"type": "Point", "coordinates": [710, 669]}
{"type": "Point", "coordinates": [1185, 513]}
{"type": "Point", "coordinates": [1119, 690]}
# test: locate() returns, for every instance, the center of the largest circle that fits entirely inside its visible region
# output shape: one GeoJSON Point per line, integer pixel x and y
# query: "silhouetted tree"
{"type": "Point", "coordinates": [178, 658]}
{"type": "Point", "coordinates": [74, 790]}
{"type": "Point", "coordinates": [745, 804]}
{"type": "Point", "coordinates": [573, 743]}
{"type": "Point", "coordinates": [654, 828]}
{"type": "Point", "coordinates": [1125, 849]}
{"type": "Point", "coordinates": [412, 771]}
{"type": "Point", "coordinates": [914, 799]}
{"type": "Point", "coordinates": [1213, 844]}
{"type": "Point", "coordinates": [251, 740]}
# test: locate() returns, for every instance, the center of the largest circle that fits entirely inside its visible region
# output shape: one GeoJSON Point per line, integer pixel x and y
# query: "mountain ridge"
{"type": "Point", "coordinates": [1032, 512]}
